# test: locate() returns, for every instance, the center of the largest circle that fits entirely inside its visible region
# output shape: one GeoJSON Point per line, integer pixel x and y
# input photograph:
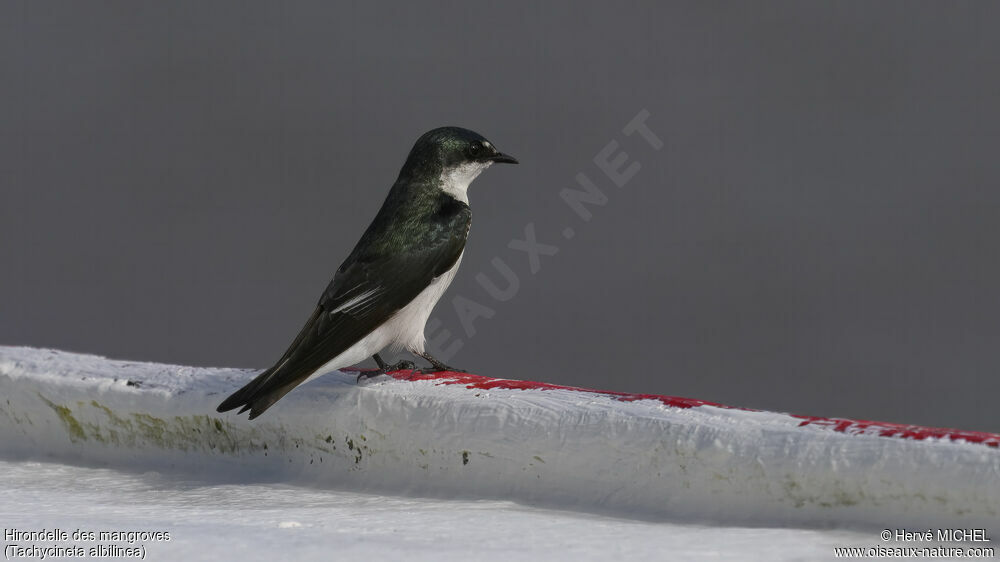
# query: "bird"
{"type": "Point", "coordinates": [383, 293]}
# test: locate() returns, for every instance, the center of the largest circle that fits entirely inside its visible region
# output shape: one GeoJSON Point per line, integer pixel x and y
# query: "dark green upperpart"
{"type": "Point", "coordinates": [446, 147]}
{"type": "Point", "coordinates": [416, 207]}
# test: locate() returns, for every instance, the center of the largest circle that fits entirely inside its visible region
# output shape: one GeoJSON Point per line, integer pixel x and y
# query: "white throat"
{"type": "Point", "coordinates": [455, 181]}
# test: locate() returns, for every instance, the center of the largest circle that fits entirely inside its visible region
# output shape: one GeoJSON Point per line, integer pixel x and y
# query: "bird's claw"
{"type": "Point", "coordinates": [400, 366]}
{"type": "Point", "coordinates": [440, 369]}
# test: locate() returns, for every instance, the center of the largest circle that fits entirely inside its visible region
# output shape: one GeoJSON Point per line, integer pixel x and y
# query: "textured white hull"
{"type": "Point", "coordinates": [461, 436]}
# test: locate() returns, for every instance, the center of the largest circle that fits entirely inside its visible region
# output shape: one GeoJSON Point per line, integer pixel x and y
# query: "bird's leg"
{"type": "Point", "coordinates": [437, 366]}
{"type": "Point", "coordinates": [384, 368]}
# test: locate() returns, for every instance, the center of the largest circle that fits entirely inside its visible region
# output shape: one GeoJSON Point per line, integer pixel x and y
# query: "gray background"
{"type": "Point", "coordinates": [180, 180]}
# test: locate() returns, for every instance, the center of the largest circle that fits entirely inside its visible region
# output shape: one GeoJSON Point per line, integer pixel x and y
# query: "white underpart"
{"type": "Point", "coordinates": [405, 329]}
{"type": "Point", "coordinates": [455, 180]}
{"type": "Point", "coordinates": [407, 326]}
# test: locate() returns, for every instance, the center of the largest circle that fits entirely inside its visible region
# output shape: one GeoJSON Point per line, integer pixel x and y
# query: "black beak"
{"type": "Point", "coordinates": [502, 158]}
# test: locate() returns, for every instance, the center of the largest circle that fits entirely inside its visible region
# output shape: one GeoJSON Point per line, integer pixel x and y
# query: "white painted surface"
{"type": "Point", "coordinates": [225, 520]}
{"type": "Point", "coordinates": [572, 450]}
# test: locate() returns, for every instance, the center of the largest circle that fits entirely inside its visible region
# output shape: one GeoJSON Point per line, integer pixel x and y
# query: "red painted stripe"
{"type": "Point", "coordinates": [851, 427]}
{"type": "Point", "coordinates": [903, 431]}
{"type": "Point", "coordinates": [487, 383]}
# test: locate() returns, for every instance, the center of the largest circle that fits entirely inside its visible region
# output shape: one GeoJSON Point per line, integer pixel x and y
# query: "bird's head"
{"type": "Point", "coordinates": [451, 157]}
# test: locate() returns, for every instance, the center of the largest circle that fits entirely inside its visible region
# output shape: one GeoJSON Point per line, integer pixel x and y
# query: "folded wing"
{"type": "Point", "coordinates": [372, 285]}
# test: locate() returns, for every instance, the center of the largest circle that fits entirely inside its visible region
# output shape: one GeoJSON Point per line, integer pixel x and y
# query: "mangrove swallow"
{"type": "Point", "coordinates": [383, 293]}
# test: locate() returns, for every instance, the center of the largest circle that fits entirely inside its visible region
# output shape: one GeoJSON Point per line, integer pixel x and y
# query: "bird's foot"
{"type": "Point", "coordinates": [436, 365]}
{"type": "Point", "coordinates": [439, 369]}
{"type": "Point", "coordinates": [385, 369]}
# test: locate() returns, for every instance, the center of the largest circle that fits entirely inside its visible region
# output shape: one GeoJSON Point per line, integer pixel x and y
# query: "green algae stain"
{"type": "Point", "coordinates": [72, 426]}
{"type": "Point", "coordinates": [65, 415]}
{"type": "Point", "coordinates": [320, 443]}
{"type": "Point", "coordinates": [357, 447]}
{"type": "Point", "coordinates": [115, 419]}
{"type": "Point", "coordinates": [179, 432]}
{"type": "Point", "coordinates": [465, 457]}
{"type": "Point", "coordinates": [830, 497]}
{"type": "Point", "coordinates": [153, 429]}
{"type": "Point", "coordinates": [89, 420]}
